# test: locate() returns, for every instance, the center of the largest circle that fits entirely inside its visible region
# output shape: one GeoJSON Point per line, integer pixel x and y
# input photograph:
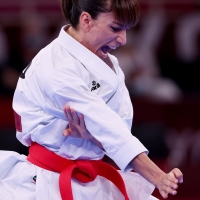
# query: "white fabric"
{"type": "Point", "coordinates": [17, 183]}
{"type": "Point", "coordinates": [63, 73]}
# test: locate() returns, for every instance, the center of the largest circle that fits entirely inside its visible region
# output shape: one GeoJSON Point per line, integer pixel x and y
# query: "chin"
{"type": "Point", "coordinates": [102, 57]}
{"type": "Point", "coordinates": [99, 55]}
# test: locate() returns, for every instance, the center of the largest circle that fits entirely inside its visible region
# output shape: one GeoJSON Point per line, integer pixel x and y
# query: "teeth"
{"type": "Point", "coordinates": [113, 48]}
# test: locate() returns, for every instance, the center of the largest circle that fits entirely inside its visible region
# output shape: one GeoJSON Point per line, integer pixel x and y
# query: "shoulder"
{"type": "Point", "coordinates": [54, 60]}
{"type": "Point", "coordinates": [54, 67]}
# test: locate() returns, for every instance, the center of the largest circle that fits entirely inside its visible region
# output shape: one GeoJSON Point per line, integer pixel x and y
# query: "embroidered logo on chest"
{"type": "Point", "coordinates": [95, 86]}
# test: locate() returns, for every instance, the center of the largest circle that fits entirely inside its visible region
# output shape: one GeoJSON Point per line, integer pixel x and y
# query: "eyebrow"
{"type": "Point", "coordinates": [118, 24]}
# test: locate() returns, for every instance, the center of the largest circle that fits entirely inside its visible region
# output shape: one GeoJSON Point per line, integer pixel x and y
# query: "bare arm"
{"type": "Point", "coordinates": [165, 183]}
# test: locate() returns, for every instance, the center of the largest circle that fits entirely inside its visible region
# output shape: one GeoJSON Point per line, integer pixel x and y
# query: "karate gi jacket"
{"type": "Point", "coordinates": [67, 73]}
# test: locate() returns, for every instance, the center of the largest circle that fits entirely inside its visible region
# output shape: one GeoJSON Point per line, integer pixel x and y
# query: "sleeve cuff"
{"type": "Point", "coordinates": [129, 151]}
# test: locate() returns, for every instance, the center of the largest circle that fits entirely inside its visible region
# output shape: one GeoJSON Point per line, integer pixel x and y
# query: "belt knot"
{"type": "Point", "coordinates": [83, 171]}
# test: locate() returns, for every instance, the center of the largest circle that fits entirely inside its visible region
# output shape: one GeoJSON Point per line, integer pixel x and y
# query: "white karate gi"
{"type": "Point", "coordinates": [67, 73]}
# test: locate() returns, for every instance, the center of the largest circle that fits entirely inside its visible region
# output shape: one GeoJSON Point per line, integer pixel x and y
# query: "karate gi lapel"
{"type": "Point", "coordinates": [88, 59]}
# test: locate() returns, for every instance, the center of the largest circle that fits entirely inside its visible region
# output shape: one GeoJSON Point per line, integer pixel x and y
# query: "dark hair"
{"type": "Point", "coordinates": [125, 11]}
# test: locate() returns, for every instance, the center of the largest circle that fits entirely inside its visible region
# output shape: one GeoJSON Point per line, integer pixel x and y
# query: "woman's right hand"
{"type": "Point", "coordinates": [77, 126]}
{"type": "Point", "coordinates": [168, 183]}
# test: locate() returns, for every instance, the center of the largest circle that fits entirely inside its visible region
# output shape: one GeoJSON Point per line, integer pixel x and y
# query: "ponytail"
{"type": "Point", "coordinates": [71, 11]}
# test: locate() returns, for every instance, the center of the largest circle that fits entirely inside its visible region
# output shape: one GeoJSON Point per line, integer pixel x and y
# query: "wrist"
{"type": "Point", "coordinates": [144, 166]}
{"type": "Point", "coordinates": [158, 178]}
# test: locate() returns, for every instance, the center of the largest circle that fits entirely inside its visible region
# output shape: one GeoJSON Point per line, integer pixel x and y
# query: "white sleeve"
{"type": "Point", "coordinates": [101, 121]}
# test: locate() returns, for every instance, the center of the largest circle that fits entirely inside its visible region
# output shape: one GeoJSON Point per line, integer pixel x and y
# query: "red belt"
{"type": "Point", "coordinates": [82, 170]}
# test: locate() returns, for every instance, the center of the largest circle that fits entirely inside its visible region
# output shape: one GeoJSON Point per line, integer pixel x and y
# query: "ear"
{"type": "Point", "coordinates": [85, 21]}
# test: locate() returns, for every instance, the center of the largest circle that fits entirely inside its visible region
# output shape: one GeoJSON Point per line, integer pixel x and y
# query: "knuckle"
{"type": "Point", "coordinates": [175, 186]}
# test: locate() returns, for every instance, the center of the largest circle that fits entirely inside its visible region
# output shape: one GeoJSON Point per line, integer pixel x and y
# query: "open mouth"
{"type": "Point", "coordinates": [105, 49]}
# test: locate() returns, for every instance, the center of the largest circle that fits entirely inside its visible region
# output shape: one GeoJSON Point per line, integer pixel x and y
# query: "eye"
{"type": "Point", "coordinates": [114, 29]}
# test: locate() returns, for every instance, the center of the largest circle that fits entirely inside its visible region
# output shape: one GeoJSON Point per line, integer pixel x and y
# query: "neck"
{"type": "Point", "coordinates": [109, 63]}
{"type": "Point", "coordinates": [74, 33]}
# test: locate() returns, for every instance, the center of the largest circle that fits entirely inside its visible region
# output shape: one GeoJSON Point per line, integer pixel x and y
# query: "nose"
{"type": "Point", "coordinates": [121, 38]}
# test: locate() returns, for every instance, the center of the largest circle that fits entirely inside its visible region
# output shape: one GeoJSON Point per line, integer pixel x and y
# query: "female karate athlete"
{"type": "Point", "coordinates": [77, 71]}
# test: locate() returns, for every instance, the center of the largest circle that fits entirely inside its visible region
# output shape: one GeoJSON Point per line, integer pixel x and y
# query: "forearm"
{"type": "Point", "coordinates": [143, 165]}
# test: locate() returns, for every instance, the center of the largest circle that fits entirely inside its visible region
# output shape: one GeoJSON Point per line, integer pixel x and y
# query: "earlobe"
{"type": "Point", "coordinates": [85, 21]}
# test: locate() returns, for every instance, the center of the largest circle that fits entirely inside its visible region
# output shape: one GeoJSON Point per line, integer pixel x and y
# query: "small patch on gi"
{"type": "Point", "coordinates": [95, 85]}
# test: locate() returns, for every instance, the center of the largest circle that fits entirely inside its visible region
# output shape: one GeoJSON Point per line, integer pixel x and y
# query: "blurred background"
{"type": "Point", "coordinates": [160, 62]}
